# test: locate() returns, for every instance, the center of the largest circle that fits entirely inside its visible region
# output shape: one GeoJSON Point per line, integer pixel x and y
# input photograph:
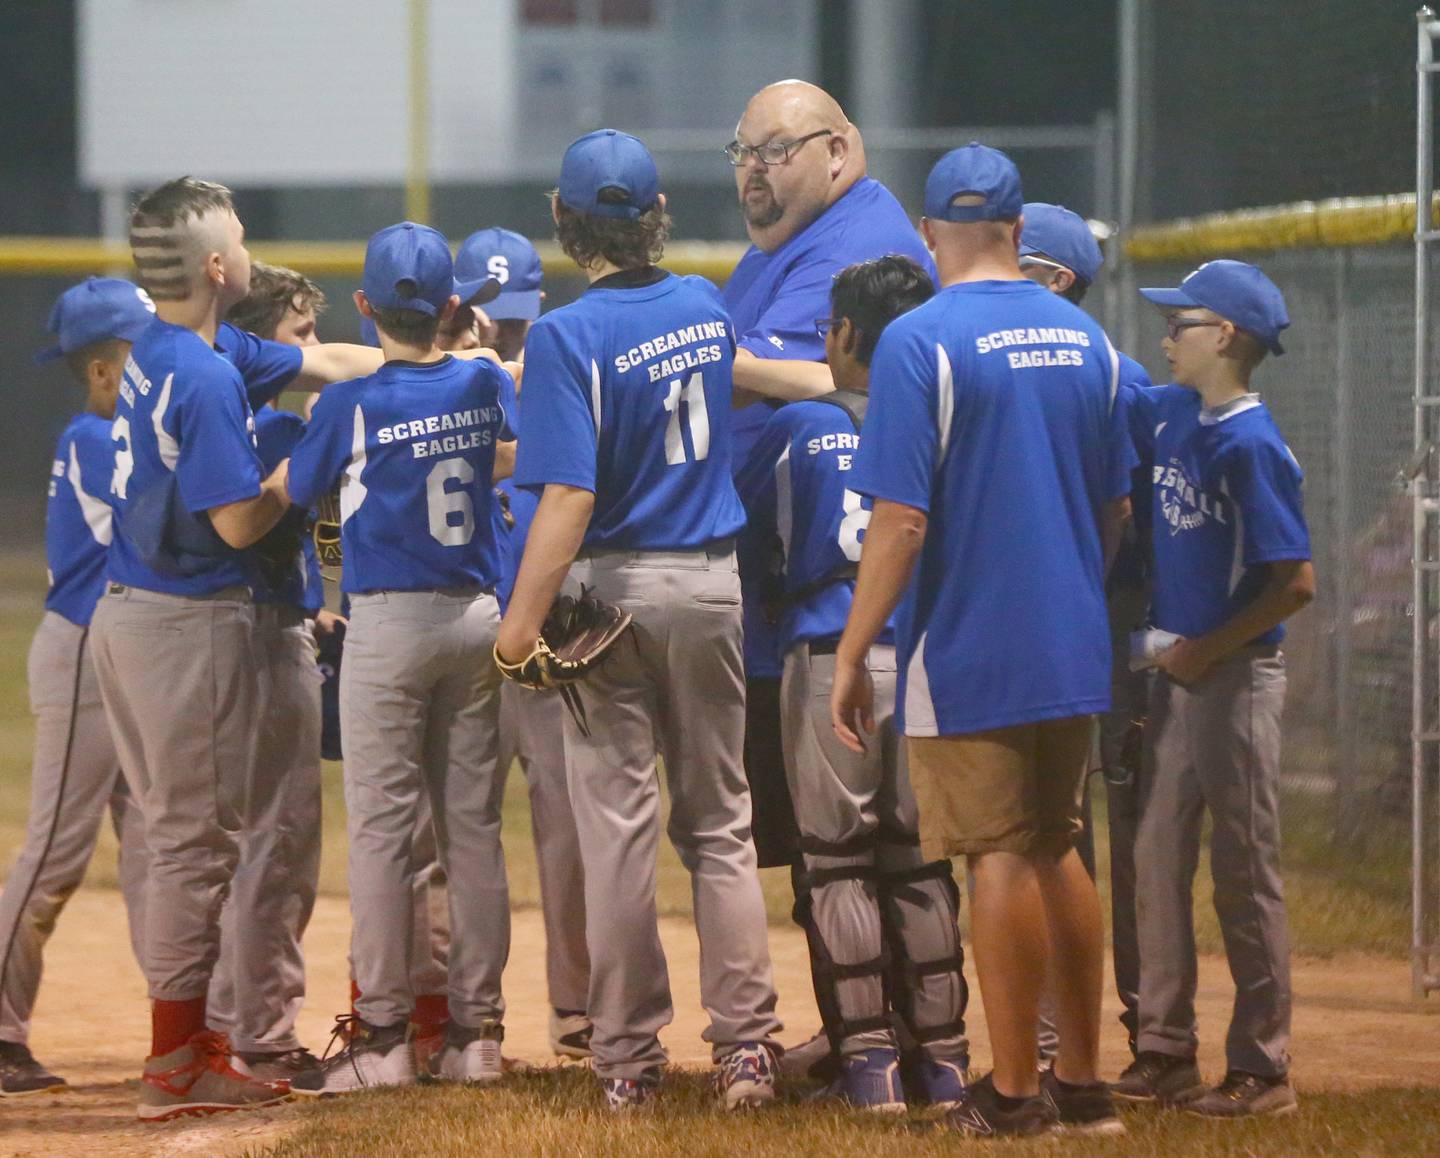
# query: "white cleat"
{"type": "Point", "coordinates": [471, 1055]}
{"type": "Point", "coordinates": [372, 1057]}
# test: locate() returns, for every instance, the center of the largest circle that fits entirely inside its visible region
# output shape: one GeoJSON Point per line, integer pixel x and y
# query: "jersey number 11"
{"type": "Point", "coordinates": [692, 397]}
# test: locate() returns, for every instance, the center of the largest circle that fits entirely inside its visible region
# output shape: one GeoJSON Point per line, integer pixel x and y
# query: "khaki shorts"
{"type": "Point", "coordinates": [1007, 790]}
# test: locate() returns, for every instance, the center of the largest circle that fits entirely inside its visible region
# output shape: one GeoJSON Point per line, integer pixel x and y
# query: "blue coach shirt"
{"type": "Point", "coordinates": [184, 443]}
{"type": "Point", "coordinates": [798, 503]}
{"type": "Point", "coordinates": [78, 518]}
{"type": "Point", "coordinates": [627, 394]}
{"type": "Point", "coordinates": [266, 367]}
{"type": "Point", "coordinates": [1226, 500]}
{"type": "Point", "coordinates": [994, 410]}
{"type": "Point", "coordinates": [276, 434]}
{"type": "Point", "coordinates": [412, 448]}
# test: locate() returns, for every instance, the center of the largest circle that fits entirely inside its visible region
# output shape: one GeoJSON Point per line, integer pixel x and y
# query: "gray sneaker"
{"type": "Point", "coordinates": [198, 1079]}
{"type": "Point", "coordinates": [1243, 1095]}
{"type": "Point", "coordinates": [1159, 1077]}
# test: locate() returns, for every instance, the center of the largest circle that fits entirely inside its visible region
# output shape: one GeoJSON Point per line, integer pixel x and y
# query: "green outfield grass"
{"type": "Point", "coordinates": [561, 1113]}
{"type": "Point", "coordinates": [1339, 898]}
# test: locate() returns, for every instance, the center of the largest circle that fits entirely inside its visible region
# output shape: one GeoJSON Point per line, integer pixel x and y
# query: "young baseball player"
{"type": "Point", "coordinates": [75, 773]}
{"type": "Point", "coordinates": [880, 921]}
{"type": "Point", "coordinates": [1232, 563]}
{"type": "Point", "coordinates": [629, 389]}
{"type": "Point", "coordinates": [259, 982]}
{"type": "Point", "coordinates": [412, 449]}
{"type": "Point", "coordinates": [531, 727]}
{"type": "Point", "coordinates": [173, 631]}
{"type": "Point", "coordinates": [1058, 251]}
{"type": "Point", "coordinates": [994, 451]}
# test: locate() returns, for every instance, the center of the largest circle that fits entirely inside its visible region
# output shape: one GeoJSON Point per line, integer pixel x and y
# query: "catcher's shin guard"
{"type": "Point", "coordinates": [837, 906]}
{"type": "Point", "coordinates": [919, 908]}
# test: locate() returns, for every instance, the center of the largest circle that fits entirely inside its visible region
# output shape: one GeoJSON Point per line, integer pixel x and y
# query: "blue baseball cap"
{"type": "Point", "coordinates": [409, 267]}
{"type": "Point", "coordinates": [608, 173]}
{"type": "Point", "coordinates": [1236, 290]}
{"type": "Point", "coordinates": [1061, 235]}
{"type": "Point", "coordinates": [513, 262]}
{"type": "Point", "coordinates": [96, 309]}
{"type": "Point", "coordinates": [976, 171]}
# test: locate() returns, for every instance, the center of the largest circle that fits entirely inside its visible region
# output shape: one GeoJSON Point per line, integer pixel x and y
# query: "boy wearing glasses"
{"type": "Point", "coordinates": [1232, 563]}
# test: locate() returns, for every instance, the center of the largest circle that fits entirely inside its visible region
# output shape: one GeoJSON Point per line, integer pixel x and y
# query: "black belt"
{"type": "Point", "coordinates": [824, 646]}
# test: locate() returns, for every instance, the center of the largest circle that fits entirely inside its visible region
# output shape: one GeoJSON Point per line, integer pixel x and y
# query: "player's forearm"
{"type": "Point", "coordinates": [504, 460]}
{"type": "Point", "coordinates": [245, 523]}
{"type": "Point", "coordinates": [555, 536]}
{"type": "Point", "coordinates": [785, 379]}
{"type": "Point", "coordinates": [335, 362]}
{"type": "Point", "coordinates": [1289, 587]}
{"type": "Point", "coordinates": [892, 545]}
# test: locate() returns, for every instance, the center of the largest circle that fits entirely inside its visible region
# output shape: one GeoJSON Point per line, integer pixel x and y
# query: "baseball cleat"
{"type": "Point", "coordinates": [811, 1059]}
{"type": "Point", "coordinates": [869, 1080]}
{"type": "Point", "coordinates": [941, 1081]}
{"type": "Point", "coordinates": [980, 1114]}
{"type": "Point", "coordinates": [1243, 1095]}
{"type": "Point", "coordinates": [1082, 1109]}
{"type": "Point", "coordinates": [279, 1067]}
{"type": "Point", "coordinates": [623, 1094]}
{"type": "Point", "coordinates": [745, 1077]}
{"type": "Point", "coordinates": [1159, 1077]}
{"type": "Point", "coordinates": [371, 1056]}
{"type": "Point", "coordinates": [570, 1032]}
{"type": "Point", "coordinates": [21, 1075]}
{"type": "Point", "coordinates": [470, 1055]}
{"type": "Point", "coordinates": [198, 1078]}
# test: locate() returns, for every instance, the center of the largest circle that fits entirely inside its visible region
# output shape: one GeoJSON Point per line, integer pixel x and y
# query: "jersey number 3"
{"type": "Point", "coordinates": [692, 397]}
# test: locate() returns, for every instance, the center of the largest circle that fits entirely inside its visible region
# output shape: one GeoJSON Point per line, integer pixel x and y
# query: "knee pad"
{"type": "Point", "coordinates": [919, 908]}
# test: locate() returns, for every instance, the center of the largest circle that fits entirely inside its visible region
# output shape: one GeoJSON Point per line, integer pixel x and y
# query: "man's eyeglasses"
{"type": "Point", "coordinates": [823, 326]}
{"type": "Point", "coordinates": [1031, 260]}
{"type": "Point", "coordinates": [772, 152]}
{"type": "Point", "coordinates": [1176, 326]}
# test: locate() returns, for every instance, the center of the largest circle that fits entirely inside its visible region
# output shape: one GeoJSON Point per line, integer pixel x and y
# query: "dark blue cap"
{"type": "Point", "coordinates": [408, 267]}
{"type": "Point", "coordinates": [96, 309]}
{"type": "Point", "coordinates": [1236, 290]}
{"type": "Point", "coordinates": [1061, 235]}
{"type": "Point", "coordinates": [513, 262]}
{"type": "Point", "coordinates": [608, 173]}
{"type": "Point", "coordinates": [975, 171]}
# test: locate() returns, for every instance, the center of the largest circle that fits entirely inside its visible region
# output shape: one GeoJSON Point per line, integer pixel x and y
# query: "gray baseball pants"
{"type": "Point", "coordinates": [420, 714]}
{"type": "Point", "coordinates": [673, 687]}
{"type": "Point", "coordinates": [74, 776]}
{"type": "Point", "coordinates": [1215, 746]}
{"type": "Point", "coordinates": [178, 677]}
{"type": "Point", "coordinates": [259, 981]}
{"type": "Point", "coordinates": [868, 888]}
{"type": "Point", "coordinates": [532, 730]}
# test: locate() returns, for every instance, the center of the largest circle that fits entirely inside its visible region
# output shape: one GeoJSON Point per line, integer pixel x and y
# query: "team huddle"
{"type": "Point", "coordinates": [887, 523]}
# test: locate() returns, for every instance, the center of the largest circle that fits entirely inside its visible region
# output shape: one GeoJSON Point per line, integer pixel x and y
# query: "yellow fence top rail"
{"type": "Point", "coordinates": [1303, 225]}
{"type": "Point", "coordinates": [78, 256]}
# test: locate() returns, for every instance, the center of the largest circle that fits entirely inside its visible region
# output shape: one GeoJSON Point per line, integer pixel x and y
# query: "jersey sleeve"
{"type": "Point", "coordinates": [561, 414]}
{"type": "Point", "coordinates": [787, 328]}
{"type": "Point", "coordinates": [217, 463]}
{"type": "Point", "coordinates": [321, 455]}
{"type": "Point", "coordinates": [902, 441]}
{"type": "Point", "coordinates": [95, 456]}
{"type": "Point", "coordinates": [1265, 484]}
{"type": "Point", "coordinates": [265, 367]}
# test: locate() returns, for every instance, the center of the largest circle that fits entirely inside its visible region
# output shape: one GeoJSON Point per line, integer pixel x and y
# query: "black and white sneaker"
{"type": "Point", "coordinates": [280, 1067]}
{"type": "Point", "coordinates": [370, 1056]}
{"type": "Point", "coordinates": [1243, 1095]}
{"type": "Point", "coordinates": [979, 1114]}
{"type": "Point", "coordinates": [570, 1033]}
{"type": "Point", "coordinates": [1086, 1109]}
{"type": "Point", "coordinates": [1159, 1077]}
{"type": "Point", "coordinates": [21, 1074]}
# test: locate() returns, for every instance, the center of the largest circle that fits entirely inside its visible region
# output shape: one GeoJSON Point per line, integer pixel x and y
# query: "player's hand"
{"type": "Point", "coordinates": [326, 621]}
{"type": "Point", "coordinates": [512, 644]}
{"type": "Point", "coordinates": [1186, 662]}
{"type": "Point", "coordinates": [852, 705]}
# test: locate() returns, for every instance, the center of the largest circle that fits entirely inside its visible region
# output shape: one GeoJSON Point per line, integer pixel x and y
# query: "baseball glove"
{"type": "Point", "coordinates": [326, 533]}
{"type": "Point", "coordinates": [575, 639]}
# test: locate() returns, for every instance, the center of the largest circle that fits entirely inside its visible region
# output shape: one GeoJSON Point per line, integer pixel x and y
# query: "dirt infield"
{"type": "Point", "coordinates": [1355, 1027]}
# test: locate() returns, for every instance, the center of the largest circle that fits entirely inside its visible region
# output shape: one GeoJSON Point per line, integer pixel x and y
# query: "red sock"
{"type": "Point", "coordinates": [432, 1011]}
{"type": "Point", "coordinates": [173, 1023]}
{"type": "Point", "coordinates": [354, 994]}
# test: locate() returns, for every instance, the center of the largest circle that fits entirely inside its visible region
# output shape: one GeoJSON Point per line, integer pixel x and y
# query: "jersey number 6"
{"type": "Point", "coordinates": [692, 396]}
{"type": "Point", "coordinates": [445, 504]}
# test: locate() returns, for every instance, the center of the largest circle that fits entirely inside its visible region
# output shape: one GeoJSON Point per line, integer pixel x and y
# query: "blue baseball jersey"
{"type": "Point", "coordinates": [775, 299]}
{"type": "Point", "coordinates": [798, 504]}
{"type": "Point", "coordinates": [412, 449]}
{"type": "Point", "coordinates": [1225, 501]}
{"type": "Point", "coordinates": [627, 394]}
{"type": "Point", "coordinates": [995, 409]}
{"type": "Point", "coordinates": [522, 504]}
{"type": "Point", "coordinates": [184, 443]}
{"type": "Point", "coordinates": [276, 434]}
{"type": "Point", "coordinates": [266, 367]}
{"type": "Point", "coordinates": [1131, 568]}
{"type": "Point", "coordinates": [78, 518]}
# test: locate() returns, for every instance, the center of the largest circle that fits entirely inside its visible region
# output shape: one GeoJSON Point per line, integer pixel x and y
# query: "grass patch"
{"type": "Point", "coordinates": [561, 1112]}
